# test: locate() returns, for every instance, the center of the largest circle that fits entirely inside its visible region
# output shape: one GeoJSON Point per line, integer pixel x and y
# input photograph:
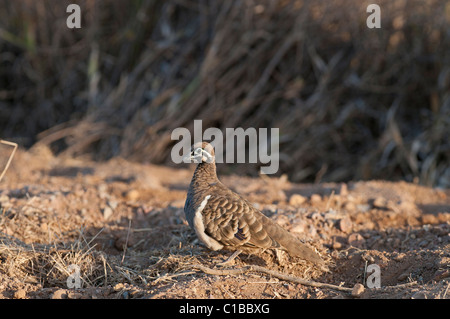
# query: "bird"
{"type": "Point", "coordinates": [223, 219]}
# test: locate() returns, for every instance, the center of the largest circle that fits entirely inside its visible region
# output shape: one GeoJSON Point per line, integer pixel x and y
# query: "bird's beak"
{"type": "Point", "coordinates": [191, 157]}
{"type": "Point", "coordinates": [188, 158]}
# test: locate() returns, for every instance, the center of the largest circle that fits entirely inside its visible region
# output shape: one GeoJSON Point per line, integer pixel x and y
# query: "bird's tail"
{"type": "Point", "coordinates": [293, 245]}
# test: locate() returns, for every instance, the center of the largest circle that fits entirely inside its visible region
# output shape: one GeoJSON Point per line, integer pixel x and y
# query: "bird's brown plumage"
{"type": "Point", "coordinates": [224, 219]}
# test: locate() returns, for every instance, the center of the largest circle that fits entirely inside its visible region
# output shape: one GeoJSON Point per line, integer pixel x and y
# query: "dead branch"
{"type": "Point", "coordinates": [10, 156]}
{"type": "Point", "coordinates": [254, 268]}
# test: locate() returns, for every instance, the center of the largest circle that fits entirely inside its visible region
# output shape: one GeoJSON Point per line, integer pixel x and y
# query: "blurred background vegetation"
{"type": "Point", "coordinates": [351, 102]}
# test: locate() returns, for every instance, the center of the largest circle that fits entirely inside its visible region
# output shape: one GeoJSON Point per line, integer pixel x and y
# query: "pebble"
{"type": "Point", "coordinates": [60, 294]}
{"type": "Point", "coordinates": [132, 195]}
{"type": "Point", "coordinates": [122, 241]}
{"type": "Point", "coordinates": [357, 290]}
{"type": "Point", "coordinates": [419, 295]}
{"type": "Point", "coordinates": [316, 216]}
{"type": "Point", "coordinates": [315, 198]}
{"type": "Point", "coordinates": [363, 207]}
{"type": "Point", "coordinates": [429, 219]}
{"type": "Point", "coordinates": [74, 295]}
{"type": "Point", "coordinates": [300, 227]}
{"type": "Point", "coordinates": [297, 200]}
{"type": "Point", "coordinates": [103, 191]}
{"type": "Point", "coordinates": [44, 227]}
{"type": "Point", "coordinates": [345, 224]}
{"type": "Point", "coordinates": [107, 212]}
{"type": "Point", "coordinates": [403, 276]}
{"type": "Point", "coordinates": [356, 240]}
{"type": "Point", "coordinates": [379, 202]}
{"type": "Point", "coordinates": [329, 214]}
{"type": "Point", "coordinates": [312, 232]}
{"type": "Point", "coordinates": [441, 274]}
{"type": "Point", "coordinates": [119, 286]}
{"type": "Point", "coordinates": [350, 206]}
{"type": "Point", "coordinates": [337, 245]}
{"type": "Point", "coordinates": [20, 294]}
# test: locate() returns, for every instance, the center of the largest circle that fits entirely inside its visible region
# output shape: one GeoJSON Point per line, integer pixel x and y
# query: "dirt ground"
{"type": "Point", "coordinates": [122, 225]}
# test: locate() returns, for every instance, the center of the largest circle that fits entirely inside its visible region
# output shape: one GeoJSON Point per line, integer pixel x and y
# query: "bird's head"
{"type": "Point", "coordinates": [201, 152]}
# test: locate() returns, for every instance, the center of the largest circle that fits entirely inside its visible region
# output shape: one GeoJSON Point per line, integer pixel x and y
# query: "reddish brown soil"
{"type": "Point", "coordinates": [123, 225]}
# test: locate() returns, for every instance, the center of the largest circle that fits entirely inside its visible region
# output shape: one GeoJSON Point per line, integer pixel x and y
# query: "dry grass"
{"type": "Point", "coordinates": [49, 264]}
{"type": "Point", "coordinates": [350, 102]}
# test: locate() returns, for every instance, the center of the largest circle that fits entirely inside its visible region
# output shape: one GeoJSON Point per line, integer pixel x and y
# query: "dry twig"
{"type": "Point", "coordinates": [10, 156]}
{"type": "Point", "coordinates": [238, 271]}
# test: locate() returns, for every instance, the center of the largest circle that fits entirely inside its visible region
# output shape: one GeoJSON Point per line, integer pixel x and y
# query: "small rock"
{"type": "Point", "coordinates": [345, 224]}
{"type": "Point", "coordinates": [60, 294]}
{"type": "Point", "coordinates": [316, 216]}
{"type": "Point", "coordinates": [312, 232]}
{"type": "Point", "coordinates": [379, 202]}
{"type": "Point", "coordinates": [330, 214]}
{"type": "Point", "coordinates": [74, 295]}
{"type": "Point", "coordinates": [273, 209]}
{"type": "Point", "coordinates": [290, 287]}
{"type": "Point", "coordinates": [407, 205]}
{"type": "Point", "coordinates": [419, 295]}
{"type": "Point", "coordinates": [107, 212]}
{"type": "Point", "coordinates": [356, 240]}
{"type": "Point", "coordinates": [337, 245]}
{"type": "Point", "coordinates": [300, 227]}
{"type": "Point", "coordinates": [20, 294]}
{"type": "Point", "coordinates": [297, 200]}
{"type": "Point", "coordinates": [335, 254]}
{"type": "Point", "coordinates": [349, 206]}
{"type": "Point", "coordinates": [132, 195]}
{"type": "Point", "coordinates": [315, 198]}
{"type": "Point", "coordinates": [103, 190]}
{"type": "Point", "coordinates": [119, 286]}
{"type": "Point", "coordinates": [429, 219]}
{"type": "Point", "coordinates": [441, 274]}
{"type": "Point", "coordinates": [442, 262]}
{"type": "Point", "coordinates": [4, 198]}
{"type": "Point", "coordinates": [363, 207]}
{"type": "Point", "coordinates": [403, 276]}
{"type": "Point", "coordinates": [124, 241]}
{"type": "Point", "coordinates": [399, 257]}
{"type": "Point", "coordinates": [358, 290]}
{"type": "Point", "coordinates": [44, 227]}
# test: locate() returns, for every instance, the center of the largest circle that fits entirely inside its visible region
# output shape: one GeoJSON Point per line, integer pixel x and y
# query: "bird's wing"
{"type": "Point", "coordinates": [233, 221]}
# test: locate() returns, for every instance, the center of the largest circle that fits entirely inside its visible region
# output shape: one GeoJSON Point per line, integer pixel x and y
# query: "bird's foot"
{"type": "Point", "coordinates": [230, 259]}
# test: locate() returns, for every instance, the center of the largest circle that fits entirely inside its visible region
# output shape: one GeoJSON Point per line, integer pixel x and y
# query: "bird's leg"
{"type": "Point", "coordinates": [230, 259]}
{"type": "Point", "coordinates": [280, 256]}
